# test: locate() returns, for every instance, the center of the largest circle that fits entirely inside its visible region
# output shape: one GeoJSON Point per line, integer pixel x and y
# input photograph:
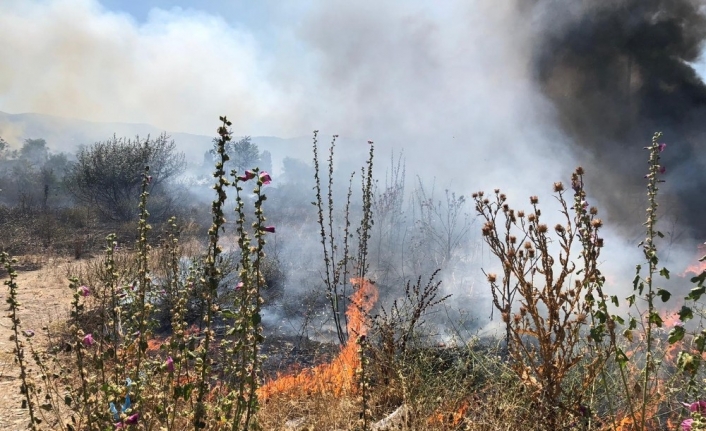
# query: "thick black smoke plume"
{"type": "Point", "coordinates": [617, 71]}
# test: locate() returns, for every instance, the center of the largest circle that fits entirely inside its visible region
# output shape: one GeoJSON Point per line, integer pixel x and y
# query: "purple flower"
{"type": "Point", "coordinates": [169, 364]}
{"type": "Point", "coordinates": [88, 340]}
{"type": "Point", "coordinates": [29, 333]}
{"type": "Point", "coordinates": [149, 179]}
{"type": "Point", "coordinates": [84, 291]}
{"type": "Point", "coordinates": [132, 420]}
{"type": "Point", "coordinates": [248, 176]}
{"type": "Point", "coordinates": [270, 229]}
{"type": "Point", "coordinates": [686, 425]}
{"type": "Point", "coordinates": [265, 177]}
{"type": "Point", "coordinates": [698, 406]}
{"type": "Point", "coordinates": [661, 147]}
{"type": "Point", "coordinates": [662, 169]}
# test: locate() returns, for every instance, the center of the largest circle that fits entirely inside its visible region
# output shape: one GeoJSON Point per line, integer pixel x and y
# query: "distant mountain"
{"type": "Point", "coordinates": [67, 134]}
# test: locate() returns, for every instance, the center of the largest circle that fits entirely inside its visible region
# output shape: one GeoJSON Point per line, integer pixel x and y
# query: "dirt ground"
{"type": "Point", "coordinates": [45, 298]}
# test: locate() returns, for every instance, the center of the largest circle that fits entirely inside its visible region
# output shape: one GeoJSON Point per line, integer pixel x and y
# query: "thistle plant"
{"type": "Point", "coordinates": [27, 388]}
{"type": "Point", "coordinates": [544, 325]}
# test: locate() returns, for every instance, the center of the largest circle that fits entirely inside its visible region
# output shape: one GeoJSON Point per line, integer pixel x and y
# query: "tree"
{"type": "Point", "coordinates": [243, 154]}
{"type": "Point", "coordinates": [35, 152]}
{"type": "Point", "coordinates": [108, 175]}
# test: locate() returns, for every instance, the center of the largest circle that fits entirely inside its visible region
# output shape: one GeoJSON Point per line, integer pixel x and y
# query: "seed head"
{"type": "Point", "coordinates": [534, 200]}
{"type": "Point", "coordinates": [558, 187]}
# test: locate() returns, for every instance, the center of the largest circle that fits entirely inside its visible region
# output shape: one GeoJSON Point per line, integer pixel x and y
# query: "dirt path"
{"type": "Point", "coordinates": [45, 298]}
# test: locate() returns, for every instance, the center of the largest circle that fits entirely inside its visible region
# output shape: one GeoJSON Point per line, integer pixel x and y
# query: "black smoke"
{"type": "Point", "coordinates": [617, 71]}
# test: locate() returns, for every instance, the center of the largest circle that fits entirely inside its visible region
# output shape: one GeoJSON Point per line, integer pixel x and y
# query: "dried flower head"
{"type": "Point", "coordinates": [558, 186]}
{"type": "Point", "coordinates": [534, 200]}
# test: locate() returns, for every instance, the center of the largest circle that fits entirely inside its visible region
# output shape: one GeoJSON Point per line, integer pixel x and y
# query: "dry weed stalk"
{"type": "Point", "coordinates": [544, 326]}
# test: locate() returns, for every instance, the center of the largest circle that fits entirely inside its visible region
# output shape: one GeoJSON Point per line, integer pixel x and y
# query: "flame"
{"type": "Point", "coordinates": [453, 418]}
{"type": "Point", "coordinates": [337, 377]}
{"type": "Point", "coordinates": [698, 266]}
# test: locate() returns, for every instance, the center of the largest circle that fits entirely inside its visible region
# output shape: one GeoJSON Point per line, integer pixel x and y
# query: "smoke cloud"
{"type": "Point", "coordinates": [617, 72]}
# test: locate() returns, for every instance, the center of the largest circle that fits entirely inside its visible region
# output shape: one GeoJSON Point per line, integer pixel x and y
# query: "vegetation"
{"type": "Point", "coordinates": [164, 335]}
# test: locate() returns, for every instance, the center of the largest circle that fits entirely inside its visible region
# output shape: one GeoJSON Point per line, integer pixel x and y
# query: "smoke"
{"type": "Point", "coordinates": [617, 72]}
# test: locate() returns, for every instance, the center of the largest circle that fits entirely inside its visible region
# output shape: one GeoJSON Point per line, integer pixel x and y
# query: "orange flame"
{"type": "Point", "coordinates": [337, 377]}
{"type": "Point", "coordinates": [697, 267]}
{"type": "Point", "coordinates": [453, 418]}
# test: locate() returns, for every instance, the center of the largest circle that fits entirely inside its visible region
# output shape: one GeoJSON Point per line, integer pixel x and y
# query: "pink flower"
{"type": "Point", "coordinates": [248, 176]}
{"type": "Point", "coordinates": [270, 229]}
{"type": "Point", "coordinates": [84, 291]}
{"type": "Point", "coordinates": [149, 179]}
{"type": "Point", "coordinates": [265, 177]}
{"type": "Point", "coordinates": [88, 340]}
{"type": "Point", "coordinates": [169, 364]}
{"type": "Point", "coordinates": [662, 169]}
{"type": "Point", "coordinates": [132, 420]}
{"type": "Point", "coordinates": [698, 406]}
{"type": "Point", "coordinates": [686, 425]}
{"type": "Point", "coordinates": [661, 147]}
{"type": "Point", "coordinates": [239, 286]}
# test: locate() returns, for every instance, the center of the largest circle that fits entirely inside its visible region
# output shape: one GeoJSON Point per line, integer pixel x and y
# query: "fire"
{"type": "Point", "coordinates": [337, 377]}
{"type": "Point", "coordinates": [699, 266]}
{"type": "Point", "coordinates": [453, 418]}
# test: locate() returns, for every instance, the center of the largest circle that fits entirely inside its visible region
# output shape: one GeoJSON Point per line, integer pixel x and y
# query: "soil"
{"type": "Point", "coordinates": [44, 305]}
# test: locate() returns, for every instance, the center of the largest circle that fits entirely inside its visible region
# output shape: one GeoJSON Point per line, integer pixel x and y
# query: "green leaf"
{"type": "Point", "coordinates": [696, 292]}
{"type": "Point", "coordinates": [620, 357]}
{"type": "Point", "coordinates": [614, 300]}
{"type": "Point", "coordinates": [664, 294]}
{"type": "Point", "coordinates": [664, 272]}
{"type": "Point", "coordinates": [636, 280]}
{"type": "Point", "coordinates": [676, 334]}
{"type": "Point", "coordinates": [685, 313]}
{"type": "Point", "coordinates": [687, 362]}
{"type": "Point", "coordinates": [633, 323]}
{"type": "Point", "coordinates": [228, 314]}
{"type": "Point", "coordinates": [256, 319]}
{"type": "Point", "coordinates": [619, 319]}
{"type": "Point", "coordinates": [628, 334]}
{"type": "Point", "coordinates": [655, 319]}
{"type": "Point", "coordinates": [700, 342]}
{"type": "Point", "coordinates": [631, 300]}
{"type": "Point", "coordinates": [660, 234]}
{"type": "Point", "coordinates": [596, 333]}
